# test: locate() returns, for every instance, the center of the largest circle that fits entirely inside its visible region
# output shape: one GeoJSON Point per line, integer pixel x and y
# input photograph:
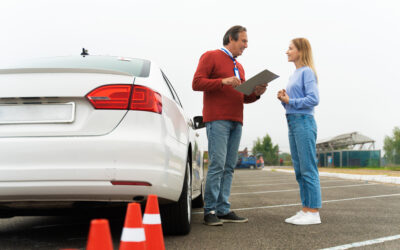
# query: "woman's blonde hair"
{"type": "Point", "coordinates": [304, 48]}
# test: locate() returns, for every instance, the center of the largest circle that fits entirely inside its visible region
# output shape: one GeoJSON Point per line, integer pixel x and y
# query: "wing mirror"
{"type": "Point", "coordinates": [198, 122]}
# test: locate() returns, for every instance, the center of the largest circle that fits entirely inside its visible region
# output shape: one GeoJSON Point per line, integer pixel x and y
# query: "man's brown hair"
{"type": "Point", "coordinates": [234, 33]}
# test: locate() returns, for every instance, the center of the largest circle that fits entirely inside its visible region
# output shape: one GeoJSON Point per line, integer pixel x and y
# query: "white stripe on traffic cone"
{"type": "Point", "coordinates": [151, 219]}
{"type": "Point", "coordinates": [133, 235]}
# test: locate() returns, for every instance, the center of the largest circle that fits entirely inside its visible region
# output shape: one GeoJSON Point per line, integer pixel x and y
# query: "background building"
{"type": "Point", "coordinates": [352, 149]}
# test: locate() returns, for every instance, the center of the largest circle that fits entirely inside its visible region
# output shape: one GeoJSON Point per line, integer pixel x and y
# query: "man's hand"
{"type": "Point", "coordinates": [260, 89]}
{"type": "Point", "coordinates": [283, 96]}
{"type": "Point", "coordinates": [233, 81]}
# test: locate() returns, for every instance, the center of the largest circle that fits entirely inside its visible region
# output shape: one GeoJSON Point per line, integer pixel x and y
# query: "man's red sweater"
{"type": "Point", "coordinates": [220, 101]}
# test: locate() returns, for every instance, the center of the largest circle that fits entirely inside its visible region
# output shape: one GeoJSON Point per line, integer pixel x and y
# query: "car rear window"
{"type": "Point", "coordinates": [131, 66]}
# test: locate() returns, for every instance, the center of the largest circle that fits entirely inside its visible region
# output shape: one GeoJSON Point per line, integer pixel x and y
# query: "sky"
{"type": "Point", "coordinates": [355, 45]}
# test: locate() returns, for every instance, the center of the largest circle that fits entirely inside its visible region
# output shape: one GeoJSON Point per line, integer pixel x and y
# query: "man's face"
{"type": "Point", "coordinates": [239, 45]}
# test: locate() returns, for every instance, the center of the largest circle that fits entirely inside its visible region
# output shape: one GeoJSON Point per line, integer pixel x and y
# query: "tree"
{"type": "Point", "coordinates": [392, 147]}
{"type": "Point", "coordinates": [265, 147]}
{"type": "Point", "coordinates": [287, 158]}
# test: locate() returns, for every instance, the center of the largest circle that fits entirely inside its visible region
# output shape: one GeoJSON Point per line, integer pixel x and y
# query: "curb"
{"type": "Point", "coordinates": [374, 178]}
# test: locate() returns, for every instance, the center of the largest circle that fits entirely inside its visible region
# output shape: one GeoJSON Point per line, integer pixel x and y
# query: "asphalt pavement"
{"type": "Point", "coordinates": [354, 212]}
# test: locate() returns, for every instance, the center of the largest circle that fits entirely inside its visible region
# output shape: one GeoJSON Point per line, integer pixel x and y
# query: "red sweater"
{"type": "Point", "coordinates": [220, 101]}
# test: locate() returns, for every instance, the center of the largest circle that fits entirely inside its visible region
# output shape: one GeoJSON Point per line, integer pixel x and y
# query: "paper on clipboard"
{"type": "Point", "coordinates": [248, 86]}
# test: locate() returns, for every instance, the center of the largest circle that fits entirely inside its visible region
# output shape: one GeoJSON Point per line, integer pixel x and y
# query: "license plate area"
{"type": "Point", "coordinates": [37, 113]}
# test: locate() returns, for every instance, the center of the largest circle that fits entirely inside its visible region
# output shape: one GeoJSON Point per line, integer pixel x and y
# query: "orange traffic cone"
{"type": "Point", "coordinates": [152, 224]}
{"type": "Point", "coordinates": [99, 235]}
{"type": "Point", "coordinates": [133, 236]}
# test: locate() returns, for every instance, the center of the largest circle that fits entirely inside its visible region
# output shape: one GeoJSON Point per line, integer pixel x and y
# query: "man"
{"type": "Point", "coordinates": [217, 74]}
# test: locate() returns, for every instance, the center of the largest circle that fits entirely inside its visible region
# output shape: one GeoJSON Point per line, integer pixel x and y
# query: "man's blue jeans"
{"type": "Point", "coordinates": [223, 145]}
{"type": "Point", "coordinates": [302, 139]}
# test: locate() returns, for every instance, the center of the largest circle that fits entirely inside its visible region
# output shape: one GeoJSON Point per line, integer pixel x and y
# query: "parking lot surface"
{"type": "Point", "coordinates": [354, 213]}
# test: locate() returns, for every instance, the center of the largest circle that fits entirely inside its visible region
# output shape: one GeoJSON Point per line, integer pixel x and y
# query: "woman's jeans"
{"type": "Point", "coordinates": [302, 139]}
{"type": "Point", "coordinates": [223, 145]}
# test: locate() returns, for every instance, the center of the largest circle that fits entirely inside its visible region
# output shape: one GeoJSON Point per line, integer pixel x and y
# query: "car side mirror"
{"type": "Point", "coordinates": [198, 122]}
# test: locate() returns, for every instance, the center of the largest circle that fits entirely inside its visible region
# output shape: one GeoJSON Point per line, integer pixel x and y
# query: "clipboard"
{"type": "Point", "coordinates": [248, 86]}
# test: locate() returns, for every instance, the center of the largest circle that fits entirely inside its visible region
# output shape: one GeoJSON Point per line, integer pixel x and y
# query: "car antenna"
{"type": "Point", "coordinates": [84, 52]}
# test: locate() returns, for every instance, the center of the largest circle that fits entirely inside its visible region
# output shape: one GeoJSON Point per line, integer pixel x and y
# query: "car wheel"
{"type": "Point", "coordinates": [176, 217]}
{"type": "Point", "coordinates": [199, 201]}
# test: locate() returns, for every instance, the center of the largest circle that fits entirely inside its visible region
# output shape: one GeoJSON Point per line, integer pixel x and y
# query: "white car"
{"type": "Point", "coordinates": [88, 129]}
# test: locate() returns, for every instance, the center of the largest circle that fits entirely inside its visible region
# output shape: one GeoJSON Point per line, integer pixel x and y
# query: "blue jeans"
{"type": "Point", "coordinates": [223, 145]}
{"type": "Point", "coordinates": [302, 139]}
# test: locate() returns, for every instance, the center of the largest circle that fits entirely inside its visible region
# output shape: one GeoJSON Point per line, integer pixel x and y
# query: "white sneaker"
{"type": "Point", "coordinates": [307, 219]}
{"type": "Point", "coordinates": [297, 215]}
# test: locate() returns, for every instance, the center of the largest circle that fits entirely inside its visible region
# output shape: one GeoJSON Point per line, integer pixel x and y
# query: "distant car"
{"type": "Point", "coordinates": [252, 162]}
{"type": "Point", "coordinates": [246, 162]}
{"type": "Point", "coordinates": [96, 129]}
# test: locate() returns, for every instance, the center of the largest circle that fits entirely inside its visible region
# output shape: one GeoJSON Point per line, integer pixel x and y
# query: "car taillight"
{"type": "Point", "coordinates": [118, 96]}
{"type": "Point", "coordinates": [145, 99]}
{"type": "Point", "coordinates": [110, 96]}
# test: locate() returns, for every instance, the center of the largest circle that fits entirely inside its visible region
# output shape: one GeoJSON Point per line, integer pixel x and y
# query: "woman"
{"type": "Point", "coordinates": [299, 99]}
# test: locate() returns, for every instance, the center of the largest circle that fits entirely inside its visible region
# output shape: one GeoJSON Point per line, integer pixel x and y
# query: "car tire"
{"type": "Point", "coordinates": [199, 201]}
{"type": "Point", "coordinates": [176, 217]}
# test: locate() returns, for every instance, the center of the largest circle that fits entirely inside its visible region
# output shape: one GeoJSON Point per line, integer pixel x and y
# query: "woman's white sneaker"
{"type": "Point", "coordinates": [297, 215]}
{"type": "Point", "coordinates": [307, 219]}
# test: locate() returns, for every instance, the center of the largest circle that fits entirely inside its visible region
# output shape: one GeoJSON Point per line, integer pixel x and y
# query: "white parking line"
{"type": "Point", "coordinates": [264, 180]}
{"type": "Point", "coordinates": [364, 243]}
{"type": "Point", "coordinates": [298, 204]}
{"type": "Point", "coordinates": [262, 177]}
{"type": "Point", "coordinates": [289, 190]}
{"type": "Point", "coordinates": [279, 183]}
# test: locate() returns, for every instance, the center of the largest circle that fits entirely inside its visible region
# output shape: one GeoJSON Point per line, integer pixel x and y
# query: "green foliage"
{"type": "Point", "coordinates": [269, 151]}
{"type": "Point", "coordinates": [205, 159]}
{"type": "Point", "coordinates": [373, 163]}
{"type": "Point", "coordinates": [287, 159]}
{"type": "Point", "coordinates": [205, 155]}
{"type": "Point", "coordinates": [392, 147]}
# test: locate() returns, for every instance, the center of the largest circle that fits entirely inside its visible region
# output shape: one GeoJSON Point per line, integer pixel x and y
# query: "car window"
{"type": "Point", "coordinates": [175, 95]}
{"type": "Point", "coordinates": [131, 66]}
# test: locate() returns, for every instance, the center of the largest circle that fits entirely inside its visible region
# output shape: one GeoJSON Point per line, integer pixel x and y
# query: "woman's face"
{"type": "Point", "coordinates": [292, 53]}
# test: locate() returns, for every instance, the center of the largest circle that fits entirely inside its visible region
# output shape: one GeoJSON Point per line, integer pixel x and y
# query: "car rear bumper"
{"type": "Point", "coordinates": [78, 191]}
{"type": "Point", "coordinates": [82, 168]}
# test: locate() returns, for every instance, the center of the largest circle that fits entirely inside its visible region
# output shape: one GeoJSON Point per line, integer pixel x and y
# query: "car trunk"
{"type": "Point", "coordinates": [54, 104]}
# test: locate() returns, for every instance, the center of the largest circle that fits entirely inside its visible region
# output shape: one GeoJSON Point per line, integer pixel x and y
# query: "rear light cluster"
{"type": "Point", "coordinates": [121, 96]}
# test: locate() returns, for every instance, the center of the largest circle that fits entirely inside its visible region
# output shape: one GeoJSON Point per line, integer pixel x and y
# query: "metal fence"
{"type": "Point", "coordinates": [349, 158]}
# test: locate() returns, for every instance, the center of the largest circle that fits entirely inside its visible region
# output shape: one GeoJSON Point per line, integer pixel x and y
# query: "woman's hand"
{"type": "Point", "coordinates": [283, 96]}
{"type": "Point", "coordinates": [279, 94]}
